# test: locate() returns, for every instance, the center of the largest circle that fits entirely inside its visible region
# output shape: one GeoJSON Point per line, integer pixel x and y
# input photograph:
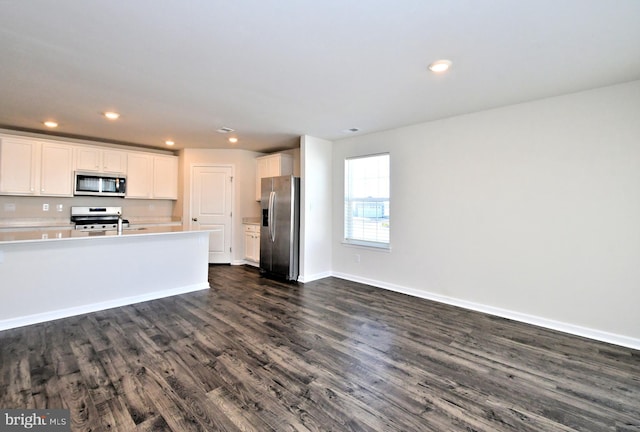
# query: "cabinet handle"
{"type": "Point", "coordinates": [194, 219]}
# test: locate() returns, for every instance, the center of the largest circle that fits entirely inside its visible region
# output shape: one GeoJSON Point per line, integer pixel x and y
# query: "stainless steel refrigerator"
{"type": "Point", "coordinates": [280, 230]}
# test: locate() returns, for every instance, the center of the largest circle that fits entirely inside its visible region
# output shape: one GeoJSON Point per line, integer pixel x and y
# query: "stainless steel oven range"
{"type": "Point", "coordinates": [97, 218]}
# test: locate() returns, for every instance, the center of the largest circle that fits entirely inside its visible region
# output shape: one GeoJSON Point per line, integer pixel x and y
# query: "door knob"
{"type": "Point", "coordinates": [194, 219]}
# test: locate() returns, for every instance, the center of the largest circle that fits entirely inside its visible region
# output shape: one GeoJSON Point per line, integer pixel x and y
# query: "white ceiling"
{"type": "Point", "coordinates": [277, 69]}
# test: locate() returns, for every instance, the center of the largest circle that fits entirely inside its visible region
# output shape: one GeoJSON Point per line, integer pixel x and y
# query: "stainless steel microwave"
{"type": "Point", "coordinates": [96, 184]}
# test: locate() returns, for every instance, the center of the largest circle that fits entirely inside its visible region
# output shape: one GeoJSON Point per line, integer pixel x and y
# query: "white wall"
{"type": "Point", "coordinates": [530, 211]}
{"type": "Point", "coordinates": [315, 209]}
{"type": "Point", "coordinates": [244, 183]}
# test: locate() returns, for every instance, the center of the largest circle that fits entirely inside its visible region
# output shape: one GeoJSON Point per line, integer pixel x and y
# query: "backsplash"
{"type": "Point", "coordinates": [22, 210]}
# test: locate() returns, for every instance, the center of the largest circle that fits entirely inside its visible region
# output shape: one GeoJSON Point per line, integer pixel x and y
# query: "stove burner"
{"type": "Point", "coordinates": [100, 225]}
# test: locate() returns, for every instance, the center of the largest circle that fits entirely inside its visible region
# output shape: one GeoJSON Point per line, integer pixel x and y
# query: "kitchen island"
{"type": "Point", "coordinates": [47, 274]}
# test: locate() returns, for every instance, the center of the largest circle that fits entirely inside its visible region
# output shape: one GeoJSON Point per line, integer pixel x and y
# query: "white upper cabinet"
{"type": "Point", "coordinates": [18, 166]}
{"type": "Point", "coordinates": [165, 177]}
{"type": "Point", "coordinates": [45, 167]}
{"type": "Point", "coordinates": [114, 161]}
{"type": "Point", "coordinates": [56, 174]}
{"type": "Point", "coordinates": [88, 159]}
{"type": "Point", "coordinates": [99, 160]}
{"type": "Point", "coordinates": [30, 167]}
{"type": "Point", "coordinates": [273, 165]}
{"type": "Point", "coordinates": [152, 176]}
{"type": "Point", "coordinates": [139, 175]}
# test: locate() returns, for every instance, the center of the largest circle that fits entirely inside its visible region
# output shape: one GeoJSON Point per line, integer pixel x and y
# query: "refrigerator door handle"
{"type": "Point", "coordinates": [272, 219]}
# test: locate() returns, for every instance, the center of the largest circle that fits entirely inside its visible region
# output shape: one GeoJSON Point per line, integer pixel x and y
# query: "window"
{"type": "Point", "coordinates": [366, 201]}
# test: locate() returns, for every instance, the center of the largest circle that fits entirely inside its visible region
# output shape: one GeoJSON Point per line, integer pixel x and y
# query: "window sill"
{"type": "Point", "coordinates": [367, 246]}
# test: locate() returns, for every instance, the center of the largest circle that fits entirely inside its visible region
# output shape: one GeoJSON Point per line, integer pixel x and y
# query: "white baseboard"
{"type": "Point", "coordinates": [311, 278]}
{"type": "Point", "coordinates": [94, 307]}
{"type": "Point", "coordinates": [245, 262]}
{"type": "Point", "coordinates": [576, 330]}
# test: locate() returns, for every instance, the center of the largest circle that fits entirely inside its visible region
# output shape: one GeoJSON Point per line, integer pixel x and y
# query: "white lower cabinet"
{"type": "Point", "coordinates": [252, 244]}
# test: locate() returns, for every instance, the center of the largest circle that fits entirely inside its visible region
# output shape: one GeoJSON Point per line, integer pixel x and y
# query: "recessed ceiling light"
{"type": "Point", "coordinates": [440, 66]}
{"type": "Point", "coordinates": [225, 130]}
{"type": "Point", "coordinates": [51, 124]}
{"type": "Point", "coordinates": [169, 143]}
{"type": "Point", "coordinates": [111, 115]}
{"type": "Point", "coordinates": [233, 140]}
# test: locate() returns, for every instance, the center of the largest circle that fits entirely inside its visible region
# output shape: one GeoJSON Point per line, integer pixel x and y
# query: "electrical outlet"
{"type": "Point", "coordinates": [45, 207]}
{"type": "Point", "coordinates": [356, 258]}
{"type": "Point", "coordinates": [9, 207]}
{"type": "Point", "coordinates": [59, 207]}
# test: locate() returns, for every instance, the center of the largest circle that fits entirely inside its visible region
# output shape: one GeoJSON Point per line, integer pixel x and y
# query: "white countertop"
{"type": "Point", "coordinates": [53, 234]}
{"type": "Point", "coordinates": [36, 224]}
{"type": "Point", "coordinates": [251, 220]}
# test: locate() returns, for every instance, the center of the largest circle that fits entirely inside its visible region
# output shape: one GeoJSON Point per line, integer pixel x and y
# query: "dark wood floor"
{"type": "Point", "coordinates": [252, 354]}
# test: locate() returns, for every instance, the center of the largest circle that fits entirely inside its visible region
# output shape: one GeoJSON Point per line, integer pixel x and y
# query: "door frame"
{"type": "Point", "coordinates": [233, 198]}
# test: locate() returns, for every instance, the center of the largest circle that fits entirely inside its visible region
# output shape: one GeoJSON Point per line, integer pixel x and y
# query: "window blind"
{"type": "Point", "coordinates": [366, 205]}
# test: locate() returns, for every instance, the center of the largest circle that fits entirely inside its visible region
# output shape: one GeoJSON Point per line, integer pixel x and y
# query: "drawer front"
{"type": "Point", "coordinates": [252, 229]}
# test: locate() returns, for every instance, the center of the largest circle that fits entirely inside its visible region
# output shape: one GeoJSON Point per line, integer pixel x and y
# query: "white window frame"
{"type": "Point", "coordinates": [349, 236]}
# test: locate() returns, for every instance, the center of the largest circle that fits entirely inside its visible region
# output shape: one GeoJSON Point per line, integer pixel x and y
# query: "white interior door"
{"type": "Point", "coordinates": [211, 204]}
